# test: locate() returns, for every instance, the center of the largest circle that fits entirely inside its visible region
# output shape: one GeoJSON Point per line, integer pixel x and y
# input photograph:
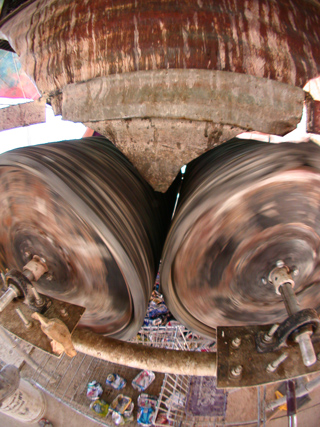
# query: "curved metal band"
{"type": "Point", "coordinates": [287, 328]}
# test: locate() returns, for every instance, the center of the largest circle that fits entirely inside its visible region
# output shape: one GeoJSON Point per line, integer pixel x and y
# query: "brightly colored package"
{"type": "Point", "coordinates": [146, 411]}
{"type": "Point", "coordinates": [120, 404]}
{"type": "Point", "coordinates": [142, 381]}
{"type": "Point", "coordinates": [115, 381]}
{"type": "Point", "coordinates": [94, 390]}
{"type": "Point", "coordinates": [100, 407]}
{"type": "Point", "coordinates": [145, 416]}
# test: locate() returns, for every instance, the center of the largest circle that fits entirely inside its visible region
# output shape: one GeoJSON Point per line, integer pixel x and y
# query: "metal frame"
{"type": "Point", "coordinates": [179, 416]}
{"type": "Point", "coordinates": [70, 377]}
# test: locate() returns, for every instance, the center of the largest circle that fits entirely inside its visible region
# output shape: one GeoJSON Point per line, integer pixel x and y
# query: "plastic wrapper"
{"type": "Point", "coordinates": [117, 419]}
{"type": "Point", "coordinates": [146, 412]}
{"type": "Point", "coordinates": [157, 282]}
{"type": "Point", "coordinates": [163, 420]}
{"type": "Point", "coordinates": [128, 412]}
{"type": "Point", "coordinates": [145, 416]}
{"type": "Point", "coordinates": [157, 298]}
{"type": "Point", "coordinates": [157, 311]}
{"type": "Point", "coordinates": [152, 322]}
{"type": "Point", "coordinates": [100, 407]}
{"type": "Point", "coordinates": [94, 390]}
{"type": "Point", "coordinates": [120, 404]}
{"type": "Point", "coordinates": [176, 400]}
{"type": "Point", "coordinates": [115, 381]}
{"type": "Point", "coordinates": [173, 323]}
{"type": "Point", "coordinates": [145, 400]}
{"type": "Point", "coordinates": [142, 381]}
{"type": "Point", "coordinates": [166, 318]}
{"type": "Point", "coordinates": [120, 420]}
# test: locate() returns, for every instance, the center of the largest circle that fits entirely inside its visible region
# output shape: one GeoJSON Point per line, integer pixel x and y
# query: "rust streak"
{"type": "Point", "coordinates": [61, 42]}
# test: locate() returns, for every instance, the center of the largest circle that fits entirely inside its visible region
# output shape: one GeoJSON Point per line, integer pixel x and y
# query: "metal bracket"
{"type": "Point", "coordinates": [287, 329]}
{"type": "Point", "coordinates": [241, 365]}
{"type": "Point", "coordinates": [23, 284]}
{"type": "Point", "coordinates": [69, 314]}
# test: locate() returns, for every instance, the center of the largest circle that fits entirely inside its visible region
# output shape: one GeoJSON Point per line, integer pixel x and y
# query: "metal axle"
{"type": "Point", "coordinates": [284, 284]}
{"type": "Point", "coordinates": [11, 293]}
{"type": "Point", "coordinates": [32, 271]}
{"type": "Point", "coordinates": [303, 338]}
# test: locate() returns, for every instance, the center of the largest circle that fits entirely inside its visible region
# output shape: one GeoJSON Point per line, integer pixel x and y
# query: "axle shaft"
{"type": "Point", "coordinates": [303, 338]}
{"type": "Point", "coordinates": [10, 294]}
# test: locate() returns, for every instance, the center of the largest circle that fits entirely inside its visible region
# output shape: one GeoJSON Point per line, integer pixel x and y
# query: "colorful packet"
{"type": "Point", "coordinates": [115, 381]}
{"type": "Point", "coordinates": [142, 381]}
{"type": "Point", "coordinates": [100, 407]}
{"type": "Point", "coordinates": [120, 404]}
{"type": "Point", "coordinates": [94, 390]}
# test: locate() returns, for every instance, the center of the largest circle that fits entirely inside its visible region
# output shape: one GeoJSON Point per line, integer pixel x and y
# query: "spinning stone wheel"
{"type": "Point", "coordinates": [99, 226]}
{"type": "Point", "coordinates": [244, 207]}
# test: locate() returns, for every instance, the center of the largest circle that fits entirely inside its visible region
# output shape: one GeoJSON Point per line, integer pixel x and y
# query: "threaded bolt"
{"type": "Point", "coordinates": [269, 335]}
{"type": "Point", "coordinates": [38, 298]}
{"type": "Point", "coordinates": [295, 271]}
{"type": "Point", "coordinates": [236, 342]}
{"type": "Point", "coordinates": [273, 366]}
{"type": "Point", "coordinates": [236, 371]}
{"type": "Point", "coordinates": [25, 321]}
{"type": "Point", "coordinates": [64, 312]}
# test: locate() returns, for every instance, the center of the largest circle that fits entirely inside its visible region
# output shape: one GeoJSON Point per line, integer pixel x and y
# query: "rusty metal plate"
{"type": "Point", "coordinates": [254, 364]}
{"type": "Point", "coordinates": [69, 314]}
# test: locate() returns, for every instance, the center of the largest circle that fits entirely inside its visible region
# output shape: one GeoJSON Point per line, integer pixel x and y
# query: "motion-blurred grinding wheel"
{"type": "Point", "coordinates": [244, 206]}
{"type": "Point", "coordinates": [83, 207]}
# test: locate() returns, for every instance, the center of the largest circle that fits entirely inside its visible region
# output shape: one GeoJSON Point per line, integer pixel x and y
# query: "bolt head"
{"type": "Point", "coordinates": [267, 338]}
{"type": "Point", "coordinates": [270, 368]}
{"type": "Point", "coordinates": [264, 280]}
{"type": "Point", "coordinates": [295, 271]}
{"type": "Point", "coordinates": [236, 342]}
{"type": "Point", "coordinates": [280, 263]}
{"type": "Point", "coordinates": [236, 371]}
{"type": "Point", "coordinates": [64, 312]}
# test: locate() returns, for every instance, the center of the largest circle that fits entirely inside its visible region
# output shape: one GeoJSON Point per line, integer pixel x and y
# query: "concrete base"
{"type": "Point", "coordinates": [158, 148]}
{"type": "Point", "coordinates": [163, 119]}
